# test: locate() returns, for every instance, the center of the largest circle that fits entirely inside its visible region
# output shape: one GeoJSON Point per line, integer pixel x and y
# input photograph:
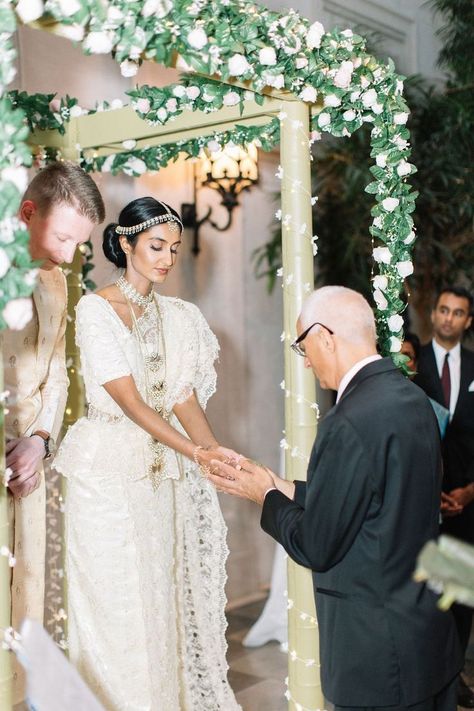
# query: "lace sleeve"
{"type": "Point", "coordinates": [197, 372]}
{"type": "Point", "coordinates": [98, 340]}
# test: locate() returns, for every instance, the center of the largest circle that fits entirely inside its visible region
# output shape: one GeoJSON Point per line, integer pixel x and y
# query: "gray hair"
{"type": "Point", "coordinates": [344, 311]}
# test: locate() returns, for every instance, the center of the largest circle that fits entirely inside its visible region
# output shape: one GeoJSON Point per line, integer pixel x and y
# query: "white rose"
{"type": "Point", "coordinates": [355, 95]}
{"type": "Point", "coordinates": [380, 282]}
{"type": "Point", "coordinates": [197, 38]}
{"type": "Point", "coordinates": [395, 344]}
{"type": "Point", "coordinates": [301, 62]}
{"type": "Point", "coordinates": [267, 56]}
{"type": "Point", "coordinates": [18, 176]}
{"type": "Point", "coordinates": [209, 98]}
{"type": "Point", "coordinates": [381, 160]}
{"type": "Point", "coordinates": [378, 222]}
{"type": "Point", "coordinates": [405, 268]}
{"type": "Point", "coordinates": [401, 118]}
{"type": "Point", "coordinates": [128, 68]}
{"type": "Point", "coordinates": [68, 7]}
{"type": "Point", "coordinates": [179, 91]}
{"type": "Point", "coordinates": [18, 313]}
{"type": "Point", "coordinates": [75, 111]}
{"type": "Point", "coordinates": [324, 120]}
{"type": "Point", "coordinates": [171, 105]}
{"type": "Point", "coordinates": [309, 93]}
{"type": "Point", "coordinates": [380, 300]}
{"type": "Point", "coordinates": [395, 323]}
{"type": "Point", "coordinates": [389, 204]}
{"type": "Point", "coordinates": [192, 92]}
{"type": "Point", "coordinates": [369, 98]}
{"type": "Point", "coordinates": [332, 100]}
{"type": "Point", "coordinates": [107, 164]}
{"type": "Point", "coordinates": [231, 98]}
{"type": "Point", "coordinates": [364, 82]}
{"type": "Point", "coordinates": [75, 33]}
{"type": "Point", "coordinates": [29, 10]}
{"type": "Point", "coordinates": [116, 104]}
{"type": "Point", "coordinates": [114, 15]}
{"type": "Point", "coordinates": [377, 108]}
{"type": "Point", "coordinates": [135, 165]}
{"type": "Point", "coordinates": [277, 81]}
{"type": "Point", "coordinates": [142, 105]}
{"type": "Point", "coordinates": [314, 36]}
{"type": "Point", "coordinates": [344, 75]}
{"type": "Point", "coordinates": [98, 43]}
{"type": "Point", "coordinates": [162, 115]}
{"type": "Point", "coordinates": [238, 65]}
{"type": "Point", "coordinates": [403, 168]}
{"type": "Point", "coordinates": [382, 254]}
{"type": "Point", "coordinates": [409, 238]}
{"type": "Point", "coordinates": [349, 115]}
{"type": "Point", "coordinates": [4, 263]}
{"type": "Point", "coordinates": [159, 8]}
{"type": "Point", "coordinates": [129, 144]}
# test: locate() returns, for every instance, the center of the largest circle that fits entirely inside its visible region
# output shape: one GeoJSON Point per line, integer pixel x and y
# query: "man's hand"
{"type": "Point", "coordinates": [22, 488]}
{"type": "Point", "coordinates": [246, 479]}
{"type": "Point", "coordinates": [24, 456]}
{"type": "Point", "coordinates": [463, 495]}
{"type": "Point", "coordinates": [449, 506]}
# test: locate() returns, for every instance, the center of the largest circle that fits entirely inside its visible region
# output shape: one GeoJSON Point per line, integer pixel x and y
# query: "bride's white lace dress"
{"type": "Point", "coordinates": [145, 565]}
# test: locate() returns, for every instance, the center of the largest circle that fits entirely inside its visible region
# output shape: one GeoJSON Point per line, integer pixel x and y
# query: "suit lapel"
{"type": "Point", "coordinates": [464, 381]}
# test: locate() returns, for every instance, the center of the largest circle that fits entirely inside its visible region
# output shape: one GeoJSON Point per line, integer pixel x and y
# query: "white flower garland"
{"type": "Point", "coordinates": [17, 277]}
{"type": "Point", "coordinates": [236, 39]}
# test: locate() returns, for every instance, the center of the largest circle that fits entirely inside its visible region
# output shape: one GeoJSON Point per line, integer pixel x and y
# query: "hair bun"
{"type": "Point", "coordinates": [112, 248]}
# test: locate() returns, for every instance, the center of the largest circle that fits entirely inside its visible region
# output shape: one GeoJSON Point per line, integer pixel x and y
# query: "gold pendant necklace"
{"type": "Point", "coordinates": [155, 385]}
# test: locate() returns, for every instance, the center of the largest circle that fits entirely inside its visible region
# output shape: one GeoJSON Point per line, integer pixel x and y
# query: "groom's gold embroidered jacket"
{"type": "Point", "coordinates": [35, 363]}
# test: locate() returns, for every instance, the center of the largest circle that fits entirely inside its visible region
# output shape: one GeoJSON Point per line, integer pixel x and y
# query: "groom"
{"type": "Point", "coordinates": [61, 207]}
{"type": "Point", "coordinates": [370, 504]}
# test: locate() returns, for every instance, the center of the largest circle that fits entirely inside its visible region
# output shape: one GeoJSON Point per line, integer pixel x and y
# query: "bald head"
{"type": "Point", "coordinates": [344, 311]}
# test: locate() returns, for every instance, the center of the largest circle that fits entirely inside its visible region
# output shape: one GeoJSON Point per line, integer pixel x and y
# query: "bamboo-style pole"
{"type": "Point", "coordinates": [5, 572]}
{"type": "Point", "coordinates": [76, 397]}
{"type": "Point", "coordinates": [300, 420]}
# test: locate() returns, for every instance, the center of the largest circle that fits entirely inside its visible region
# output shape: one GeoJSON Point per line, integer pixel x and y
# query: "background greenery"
{"type": "Point", "coordinates": [442, 135]}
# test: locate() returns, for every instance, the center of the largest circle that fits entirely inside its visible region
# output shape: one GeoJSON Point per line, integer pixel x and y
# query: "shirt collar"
{"type": "Point", "coordinates": [440, 352]}
{"type": "Point", "coordinates": [346, 379]}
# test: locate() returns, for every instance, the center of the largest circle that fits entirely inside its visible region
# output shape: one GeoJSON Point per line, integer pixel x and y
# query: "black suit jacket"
{"type": "Point", "coordinates": [371, 502]}
{"type": "Point", "coordinates": [458, 443]}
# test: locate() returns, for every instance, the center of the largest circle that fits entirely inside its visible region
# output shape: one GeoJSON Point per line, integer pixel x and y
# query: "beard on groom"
{"type": "Point", "coordinates": [370, 503]}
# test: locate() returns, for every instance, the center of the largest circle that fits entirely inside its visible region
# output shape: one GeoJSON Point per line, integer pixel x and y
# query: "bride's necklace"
{"type": "Point", "coordinates": [130, 293]}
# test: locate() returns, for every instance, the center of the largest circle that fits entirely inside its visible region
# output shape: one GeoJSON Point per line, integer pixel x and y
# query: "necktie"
{"type": "Point", "coordinates": [446, 381]}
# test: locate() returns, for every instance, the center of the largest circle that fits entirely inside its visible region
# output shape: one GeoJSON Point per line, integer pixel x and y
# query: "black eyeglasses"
{"type": "Point", "coordinates": [296, 344]}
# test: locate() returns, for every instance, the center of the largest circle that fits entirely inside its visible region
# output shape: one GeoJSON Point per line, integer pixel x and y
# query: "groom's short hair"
{"type": "Point", "coordinates": [66, 183]}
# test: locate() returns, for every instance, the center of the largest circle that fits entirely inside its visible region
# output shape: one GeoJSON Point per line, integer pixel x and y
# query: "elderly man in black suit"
{"type": "Point", "coordinates": [446, 374]}
{"type": "Point", "coordinates": [358, 523]}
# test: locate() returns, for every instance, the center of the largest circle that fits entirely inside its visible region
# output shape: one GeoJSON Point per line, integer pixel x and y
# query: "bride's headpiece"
{"type": "Point", "coordinates": [169, 216]}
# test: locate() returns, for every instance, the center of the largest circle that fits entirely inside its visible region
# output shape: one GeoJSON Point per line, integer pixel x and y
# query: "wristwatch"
{"type": "Point", "coordinates": [48, 442]}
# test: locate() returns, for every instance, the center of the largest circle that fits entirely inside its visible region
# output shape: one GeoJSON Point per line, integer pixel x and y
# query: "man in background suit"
{"type": "Point", "coordinates": [357, 522]}
{"type": "Point", "coordinates": [61, 206]}
{"type": "Point", "coordinates": [446, 374]}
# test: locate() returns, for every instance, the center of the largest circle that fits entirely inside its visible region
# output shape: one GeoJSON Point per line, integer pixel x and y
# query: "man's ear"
{"type": "Point", "coordinates": [468, 323]}
{"type": "Point", "coordinates": [27, 210]}
{"type": "Point", "coordinates": [328, 340]}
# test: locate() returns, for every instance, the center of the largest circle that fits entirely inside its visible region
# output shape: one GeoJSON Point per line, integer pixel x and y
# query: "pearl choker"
{"type": "Point", "coordinates": [130, 293]}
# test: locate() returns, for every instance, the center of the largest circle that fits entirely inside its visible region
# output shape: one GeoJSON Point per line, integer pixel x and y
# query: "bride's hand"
{"type": "Point", "coordinates": [232, 456]}
{"type": "Point", "coordinates": [204, 457]}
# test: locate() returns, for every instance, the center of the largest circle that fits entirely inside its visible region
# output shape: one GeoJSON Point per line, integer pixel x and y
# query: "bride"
{"type": "Point", "coordinates": [145, 537]}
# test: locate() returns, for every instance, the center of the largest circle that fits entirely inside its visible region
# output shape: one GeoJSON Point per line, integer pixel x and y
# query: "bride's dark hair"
{"type": "Point", "coordinates": [136, 212]}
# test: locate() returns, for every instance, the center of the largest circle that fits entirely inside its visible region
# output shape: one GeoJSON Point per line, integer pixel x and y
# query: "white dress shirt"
{"type": "Point", "coordinates": [346, 379]}
{"type": "Point", "coordinates": [454, 362]}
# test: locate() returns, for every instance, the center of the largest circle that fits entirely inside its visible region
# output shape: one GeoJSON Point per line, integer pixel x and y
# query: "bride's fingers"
{"type": "Point", "coordinates": [223, 470]}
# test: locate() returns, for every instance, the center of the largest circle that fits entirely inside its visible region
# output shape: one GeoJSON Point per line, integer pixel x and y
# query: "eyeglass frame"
{"type": "Point", "coordinates": [295, 345]}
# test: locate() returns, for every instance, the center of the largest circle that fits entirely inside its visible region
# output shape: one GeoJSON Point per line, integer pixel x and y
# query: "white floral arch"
{"type": "Point", "coordinates": [268, 78]}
